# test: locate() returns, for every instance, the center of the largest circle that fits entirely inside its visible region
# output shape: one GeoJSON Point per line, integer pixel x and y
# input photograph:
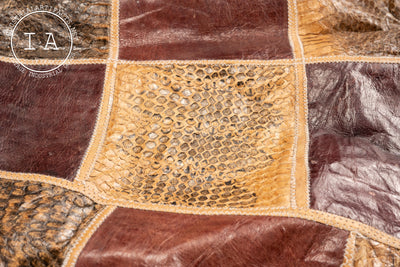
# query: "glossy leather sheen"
{"type": "Point", "coordinates": [354, 123]}
{"type": "Point", "coordinates": [205, 29]}
{"type": "Point", "coordinates": [131, 237]}
{"type": "Point", "coordinates": [46, 125]}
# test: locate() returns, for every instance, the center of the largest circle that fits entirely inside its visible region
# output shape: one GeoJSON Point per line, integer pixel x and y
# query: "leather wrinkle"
{"type": "Point", "coordinates": [127, 237]}
{"type": "Point", "coordinates": [45, 128]}
{"type": "Point", "coordinates": [349, 27]}
{"type": "Point", "coordinates": [354, 149]}
{"type": "Point", "coordinates": [182, 29]}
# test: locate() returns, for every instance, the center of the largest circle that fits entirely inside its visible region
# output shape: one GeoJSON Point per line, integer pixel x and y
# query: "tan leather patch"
{"type": "Point", "coordinates": [201, 135]}
{"type": "Point", "coordinates": [372, 253]}
{"type": "Point", "coordinates": [365, 28]}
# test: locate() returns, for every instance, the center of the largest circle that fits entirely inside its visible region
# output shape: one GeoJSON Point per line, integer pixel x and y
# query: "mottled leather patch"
{"type": "Point", "coordinates": [89, 18]}
{"type": "Point", "coordinates": [372, 253]}
{"type": "Point", "coordinates": [205, 29]}
{"type": "Point", "coordinates": [349, 27]}
{"type": "Point", "coordinates": [148, 238]}
{"type": "Point", "coordinates": [354, 124]}
{"type": "Point", "coordinates": [46, 124]}
{"type": "Point", "coordinates": [38, 222]}
{"type": "Point", "coordinates": [199, 135]}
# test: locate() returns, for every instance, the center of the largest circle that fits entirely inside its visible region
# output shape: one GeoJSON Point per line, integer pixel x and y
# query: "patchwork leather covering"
{"type": "Point", "coordinates": [200, 133]}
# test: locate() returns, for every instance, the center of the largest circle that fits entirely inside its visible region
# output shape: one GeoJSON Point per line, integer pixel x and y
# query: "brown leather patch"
{"type": "Point", "coordinates": [355, 141]}
{"type": "Point", "coordinates": [130, 237]}
{"type": "Point", "coordinates": [38, 222]}
{"type": "Point", "coordinates": [206, 29]}
{"type": "Point", "coordinates": [46, 124]}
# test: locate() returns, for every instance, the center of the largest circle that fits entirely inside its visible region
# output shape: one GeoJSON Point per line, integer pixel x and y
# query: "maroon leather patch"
{"type": "Point", "coordinates": [205, 29]}
{"type": "Point", "coordinates": [46, 124]}
{"type": "Point", "coordinates": [130, 237]}
{"type": "Point", "coordinates": [354, 123]}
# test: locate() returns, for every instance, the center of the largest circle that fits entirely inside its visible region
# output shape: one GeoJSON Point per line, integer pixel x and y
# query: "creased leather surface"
{"type": "Point", "coordinates": [369, 253]}
{"type": "Point", "coordinates": [349, 27]}
{"type": "Point", "coordinates": [90, 19]}
{"type": "Point", "coordinates": [39, 221]}
{"type": "Point", "coordinates": [201, 135]}
{"type": "Point", "coordinates": [354, 123]}
{"type": "Point", "coordinates": [46, 125]}
{"type": "Point", "coordinates": [205, 29]}
{"type": "Point", "coordinates": [131, 237]}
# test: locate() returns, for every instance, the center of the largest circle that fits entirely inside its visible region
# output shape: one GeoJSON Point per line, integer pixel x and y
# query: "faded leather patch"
{"type": "Point", "coordinates": [89, 18]}
{"type": "Point", "coordinates": [199, 135]}
{"type": "Point", "coordinates": [354, 124]}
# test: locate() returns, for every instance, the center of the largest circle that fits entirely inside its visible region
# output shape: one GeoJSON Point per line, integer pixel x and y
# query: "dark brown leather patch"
{"type": "Point", "coordinates": [354, 123]}
{"type": "Point", "coordinates": [46, 124]}
{"type": "Point", "coordinates": [130, 237]}
{"type": "Point", "coordinates": [206, 29]}
{"type": "Point", "coordinates": [38, 222]}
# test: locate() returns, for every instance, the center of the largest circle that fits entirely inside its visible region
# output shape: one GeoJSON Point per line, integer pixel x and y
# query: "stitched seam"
{"type": "Point", "coordinates": [294, 152]}
{"type": "Point", "coordinates": [305, 101]}
{"type": "Point", "coordinates": [79, 244]}
{"type": "Point", "coordinates": [104, 114]}
{"type": "Point", "coordinates": [349, 250]}
{"type": "Point", "coordinates": [305, 213]}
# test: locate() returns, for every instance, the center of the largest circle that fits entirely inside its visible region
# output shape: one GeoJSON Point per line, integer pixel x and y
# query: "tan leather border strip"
{"type": "Point", "coordinates": [76, 248]}
{"type": "Point", "coordinates": [106, 101]}
{"type": "Point", "coordinates": [300, 183]}
{"type": "Point", "coordinates": [365, 59]}
{"type": "Point", "coordinates": [101, 124]}
{"type": "Point", "coordinates": [54, 62]}
{"type": "Point", "coordinates": [304, 213]}
{"type": "Point", "coordinates": [350, 250]}
{"type": "Point", "coordinates": [307, 60]}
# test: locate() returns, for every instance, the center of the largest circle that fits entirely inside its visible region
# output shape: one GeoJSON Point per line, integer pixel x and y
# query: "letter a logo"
{"type": "Point", "coordinates": [53, 42]}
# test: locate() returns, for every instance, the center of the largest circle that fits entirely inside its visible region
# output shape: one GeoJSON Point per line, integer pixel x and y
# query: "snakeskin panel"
{"type": "Point", "coordinates": [39, 221]}
{"type": "Point", "coordinates": [202, 135]}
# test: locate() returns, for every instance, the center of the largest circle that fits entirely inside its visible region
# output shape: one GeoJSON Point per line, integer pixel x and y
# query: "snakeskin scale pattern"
{"type": "Point", "coordinates": [39, 221]}
{"type": "Point", "coordinates": [202, 135]}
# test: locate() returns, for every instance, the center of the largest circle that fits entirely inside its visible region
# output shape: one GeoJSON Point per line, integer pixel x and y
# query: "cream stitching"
{"type": "Point", "coordinates": [81, 241]}
{"type": "Point", "coordinates": [305, 99]}
{"type": "Point", "coordinates": [349, 250]}
{"type": "Point", "coordinates": [100, 135]}
{"type": "Point", "coordinates": [308, 60]}
{"type": "Point", "coordinates": [292, 23]}
{"type": "Point", "coordinates": [305, 213]}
